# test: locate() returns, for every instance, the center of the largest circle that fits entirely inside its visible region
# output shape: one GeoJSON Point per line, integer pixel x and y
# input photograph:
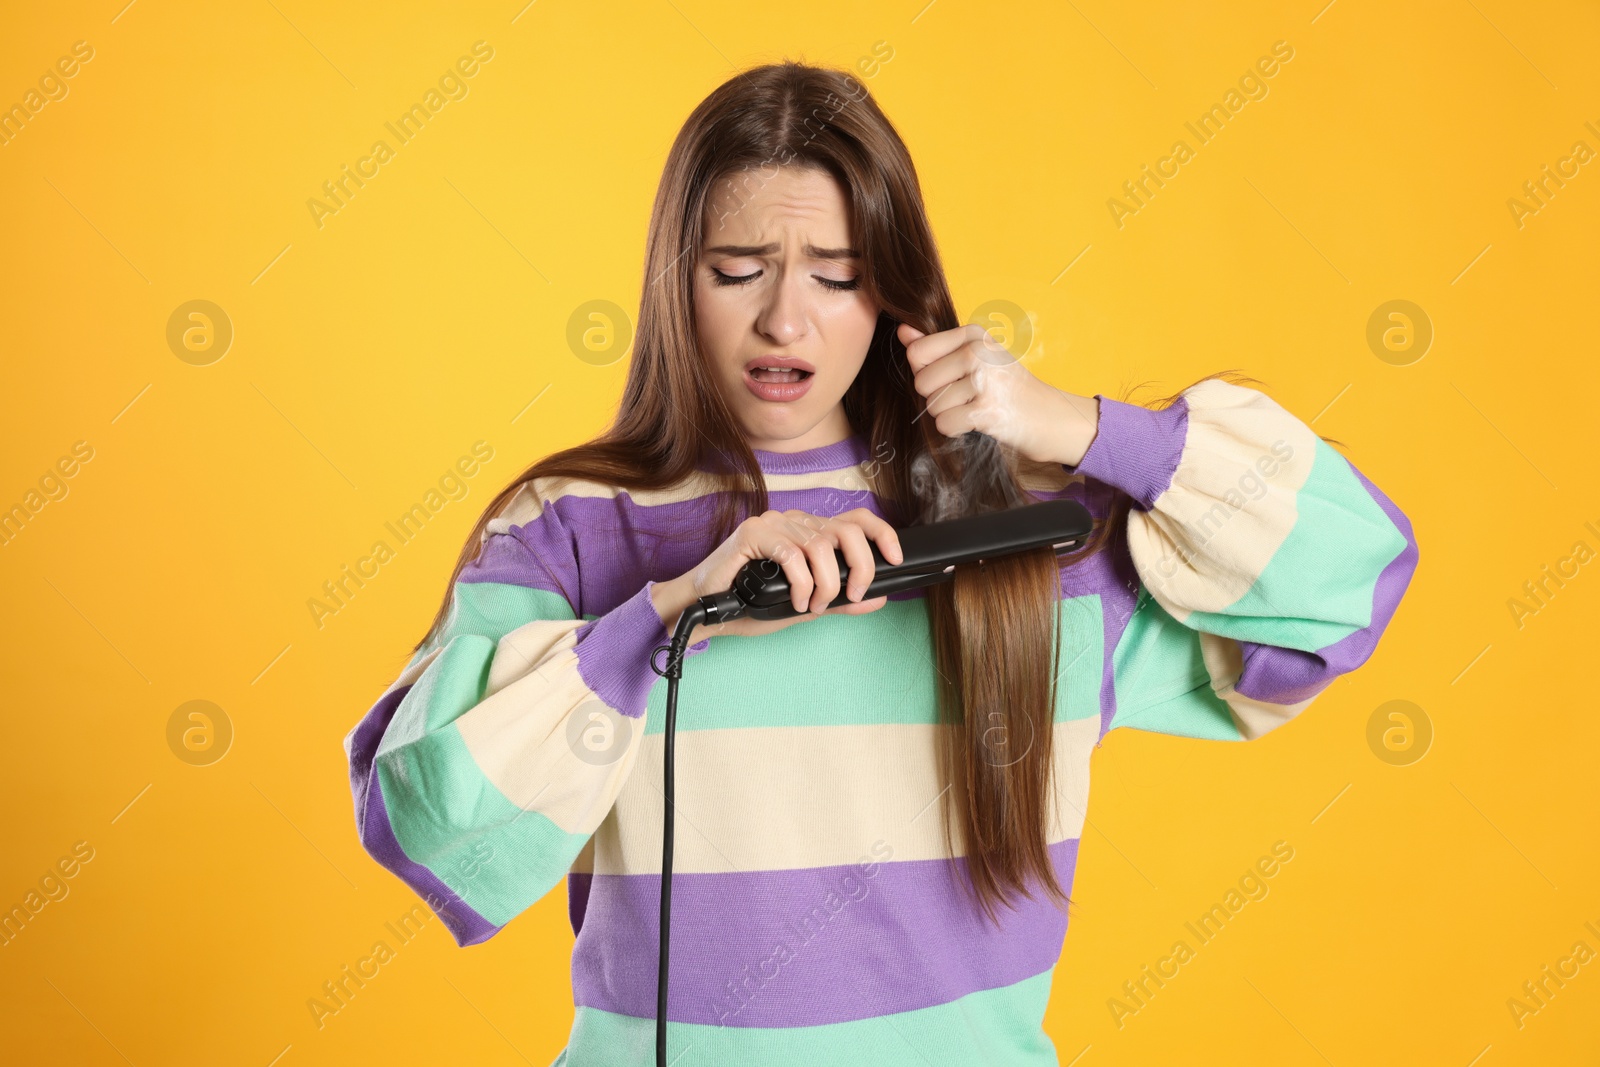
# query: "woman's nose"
{"type": "Point", "coordinates": [783, 320]}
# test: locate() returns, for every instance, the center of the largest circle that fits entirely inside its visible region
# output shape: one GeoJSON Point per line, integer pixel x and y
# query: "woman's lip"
{"type": "Point", "coordinates": [778, 392]}
{"type": "Point", "coordinates": [783, 362]}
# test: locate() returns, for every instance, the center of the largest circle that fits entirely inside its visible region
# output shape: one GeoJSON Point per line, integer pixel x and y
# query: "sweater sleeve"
{"type": "Point", "coordinates": [1268, 565]}
{"type": "Point", "coordinates": [485, 768]}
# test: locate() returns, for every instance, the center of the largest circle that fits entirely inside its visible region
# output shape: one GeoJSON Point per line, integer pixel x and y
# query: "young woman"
{"type": "Point", "coordinates": [877, 817]}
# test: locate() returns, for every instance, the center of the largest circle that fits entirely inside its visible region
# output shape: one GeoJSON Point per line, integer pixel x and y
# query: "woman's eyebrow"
{"type": "Point", "coordinates": [761, 250]}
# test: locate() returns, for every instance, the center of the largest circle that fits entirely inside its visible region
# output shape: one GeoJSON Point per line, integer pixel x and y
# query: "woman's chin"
{"type": "Point", "coordinates": [777, 432]}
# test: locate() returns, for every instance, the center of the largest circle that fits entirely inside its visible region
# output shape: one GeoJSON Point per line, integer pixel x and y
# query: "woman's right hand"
{"type": "Point", "coordinates": [803, 544]}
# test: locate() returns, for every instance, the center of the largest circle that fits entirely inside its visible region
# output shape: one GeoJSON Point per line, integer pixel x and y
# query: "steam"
{"type": "Point", "coordinates": [983, 479]}
{"type": "Point", "coordinates": [972, 474]}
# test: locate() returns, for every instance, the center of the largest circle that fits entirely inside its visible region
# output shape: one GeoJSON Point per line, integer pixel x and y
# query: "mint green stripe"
{"type": "Point", "coordinates": [454, 821]}
{"type": "Point", "coordinates": [1162, 683]}
{"type": "Point", "coordinates": [513, 859]}
{"type": "Point", "coordinates": [1304, 598]}
{"type": "Point", "coordinates": [854, 670]}
{"type": "Point", "coordinates": [492, 610]}
{"type": "Point", "coordinates": [994, 1026]}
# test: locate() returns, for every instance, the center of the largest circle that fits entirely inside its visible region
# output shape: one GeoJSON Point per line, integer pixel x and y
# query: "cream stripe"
{"type": "Point", "coordinates": [518, 734]}
{"type": "Point", "coordinates": [545, 645]}
{"type": "Point", "coordinates": [1224, 661]}
{"type": "Point", "coordinates": [413, 672]}
{"type": "Point", "coordinates": [1194, 549]}
{"type": "Point", "coordinates": [778, 798]}
{"type": "Point", "coordinates": [584, 863]}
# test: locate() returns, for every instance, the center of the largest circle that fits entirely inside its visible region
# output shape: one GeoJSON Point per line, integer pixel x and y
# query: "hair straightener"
{"type": "Point", "coordinates": [931, 553]}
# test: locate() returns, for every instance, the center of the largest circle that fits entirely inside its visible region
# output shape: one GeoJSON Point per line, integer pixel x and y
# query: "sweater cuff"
{"type": "Point", "coordinates": [1135, 449]}
{"type": "Point", "coordinates": [615, 652]}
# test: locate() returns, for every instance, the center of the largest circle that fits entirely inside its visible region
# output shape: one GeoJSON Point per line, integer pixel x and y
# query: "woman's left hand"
{"type": "Point", "coordinates": [971, 382]}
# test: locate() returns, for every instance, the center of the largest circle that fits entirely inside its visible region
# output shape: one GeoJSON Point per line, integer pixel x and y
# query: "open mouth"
{"type": "Point", "coordinates": [779, 375]}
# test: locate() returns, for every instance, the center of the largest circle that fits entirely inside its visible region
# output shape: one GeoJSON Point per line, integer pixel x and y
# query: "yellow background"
{"type": "Point", "coordinates": [370, 353]}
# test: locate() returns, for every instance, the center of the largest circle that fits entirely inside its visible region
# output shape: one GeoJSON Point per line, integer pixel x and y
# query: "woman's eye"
{"type": "Point", "coordinates": [719, 278]}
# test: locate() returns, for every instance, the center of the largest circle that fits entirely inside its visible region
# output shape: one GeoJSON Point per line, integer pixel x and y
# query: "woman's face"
{"type": "Point", "coordinates": [797, 299]}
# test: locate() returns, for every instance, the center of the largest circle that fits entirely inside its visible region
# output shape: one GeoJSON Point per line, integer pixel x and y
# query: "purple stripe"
{"type": "Point", "coordinates": [626, 544]}
{"type": "Point", "coordinates": [578, 883]}
{"type": "Point", "coordinates": [1135, 448]}
{"type": "Point", "coordinates": [538, 554]}
{"type": "Point", "coordinates": [377, 836]}
{"type": "Point", "coordinates": [1288, 676]}
{"type": "Point", "coordinates": [623, 543]}
{"type": "Point", "coordinates": [808, 947]}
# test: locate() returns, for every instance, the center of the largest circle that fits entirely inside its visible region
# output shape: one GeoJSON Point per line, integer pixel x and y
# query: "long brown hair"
{"type": "Point", "coordinates": [994, 625]}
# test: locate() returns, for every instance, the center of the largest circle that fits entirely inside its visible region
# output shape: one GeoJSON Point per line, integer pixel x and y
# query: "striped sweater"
{"type": "Point", "coordinates": [814, 920]}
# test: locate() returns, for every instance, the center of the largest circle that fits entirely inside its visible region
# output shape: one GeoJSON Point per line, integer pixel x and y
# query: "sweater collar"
{"type": "Point", "coordinates": [841, 454]}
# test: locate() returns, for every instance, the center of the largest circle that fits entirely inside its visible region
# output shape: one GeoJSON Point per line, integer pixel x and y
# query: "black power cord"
{"type": "Point", "coordinates": [719, 607]}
